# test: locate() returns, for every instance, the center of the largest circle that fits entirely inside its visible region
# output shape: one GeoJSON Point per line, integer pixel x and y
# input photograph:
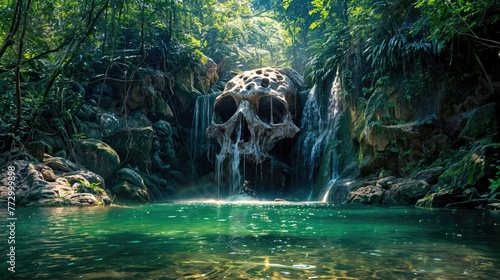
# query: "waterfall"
{"type": "Point", "coordinates": [331, 138]}
{"type": "Point", "coordinates": [308, 144]}
{"type": "Point", "coordinates": [202, 117]}
{"type": "Point", "coordinates": [231, 164]}
{"type": "Point", "coordinates": [199, 144]}
{"type": "Point", "coordinates": [219, 171]}
{"type": "Point", "coordinates": [317, 145]}
{"type": "Point", "coordinates": [235, 181]}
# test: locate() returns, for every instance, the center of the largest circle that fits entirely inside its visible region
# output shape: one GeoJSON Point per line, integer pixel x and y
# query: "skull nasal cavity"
{"type": "Point", "coordinates": [224, 109]}
{"type": "Point", "coordinates": [242, 133]}
{"type": "Point", "coordinates": [271, 110]}
{"type": "Point", "coordinates": [265, 82]}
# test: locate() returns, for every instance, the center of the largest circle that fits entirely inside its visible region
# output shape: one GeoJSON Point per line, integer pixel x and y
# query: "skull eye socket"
{"type": "Point", "coordinates": [271, 110]}
{"type": "Point", "coordinates": [224, 109]}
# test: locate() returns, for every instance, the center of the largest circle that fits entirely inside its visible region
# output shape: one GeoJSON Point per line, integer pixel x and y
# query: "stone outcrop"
{"type": "Point", "coordinates": [406, 192]}
{"type": "Point", "coordinates": [60, 164]}
{"type": "Point", "coordinates": [366, 195]}
{"type": "Point", "coordinates": [205, 75]}
{"type": "Point", "coordinates": [389, 190]}
{"type": "Point", "coordinates": [163, 148]}
{"type": "Point", "coordinates": [430, 175]}
{"type": "Point", "coordinates": [146, 94]}
{"type": "Point", "coordinates": [136, 186]}
{"type": "Point", "coordinates": [40, 185]}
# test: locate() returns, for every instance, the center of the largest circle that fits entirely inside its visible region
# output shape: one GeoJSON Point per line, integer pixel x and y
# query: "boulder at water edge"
{"type": "Point", "coordinates": [79, 188]}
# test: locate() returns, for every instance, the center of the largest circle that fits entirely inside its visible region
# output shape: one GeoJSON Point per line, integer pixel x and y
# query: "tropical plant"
{"type": "Point", "coordinates": [495, 182]}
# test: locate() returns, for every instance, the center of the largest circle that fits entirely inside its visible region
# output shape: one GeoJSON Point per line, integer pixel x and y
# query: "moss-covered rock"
{"type": "Point", "coordinates": [430, 175]}
{"type": "Point", "coordinates": [134, 146]}
{"type": "Point", "coordinates": [473, 169]}
{"type": "Point", "coordinates": [131, 176]}
{"type": "Point", "coordinates": [97, 157]}
{"type": "Point", "coordinates": [481, 124]}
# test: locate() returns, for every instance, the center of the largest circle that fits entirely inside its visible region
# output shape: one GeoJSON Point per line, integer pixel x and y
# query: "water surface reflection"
{"type": "Point", "coordinates": [196, 240]}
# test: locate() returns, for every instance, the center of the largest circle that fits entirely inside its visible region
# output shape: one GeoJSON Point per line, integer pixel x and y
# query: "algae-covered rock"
{"type": "Point", "coordinates": [91, 130]}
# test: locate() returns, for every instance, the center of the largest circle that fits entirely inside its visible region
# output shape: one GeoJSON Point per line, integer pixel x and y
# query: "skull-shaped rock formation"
{"type": "Point", "coordinates": [254, 112]}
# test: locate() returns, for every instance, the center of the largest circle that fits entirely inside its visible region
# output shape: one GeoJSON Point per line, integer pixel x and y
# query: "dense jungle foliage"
{"type": "Point", "coordinates": [46, 47]}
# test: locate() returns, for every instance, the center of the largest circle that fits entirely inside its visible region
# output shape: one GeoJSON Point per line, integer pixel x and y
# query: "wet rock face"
{"type": "Point", "coordinates": [254, 111]}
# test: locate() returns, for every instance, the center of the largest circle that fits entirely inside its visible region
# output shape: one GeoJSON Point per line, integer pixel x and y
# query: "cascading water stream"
{"type": "Point", "coordinates": [330, 138]}
{"type": "Point", "coordinates": [235, 180]}
{"type": "Point", "coordinates": [203, 108]}
{"type": "Point", "coordinates": [308, 148]}
{"type": "Point", "coordinates": [315, 142]}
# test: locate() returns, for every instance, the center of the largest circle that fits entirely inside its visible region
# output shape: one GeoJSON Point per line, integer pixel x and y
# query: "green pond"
{"type": "Point", "coordinates": [214, 240]}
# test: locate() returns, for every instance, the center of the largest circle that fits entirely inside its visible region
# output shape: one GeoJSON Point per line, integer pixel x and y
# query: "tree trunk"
{"type": "Point", "coordinates": [20, 44]}
{"type": "Point", "coordinates": [16, 20]}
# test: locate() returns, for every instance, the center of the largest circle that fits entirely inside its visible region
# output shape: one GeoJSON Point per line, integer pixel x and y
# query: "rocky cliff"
{"type": "Point", "coordinates": [432, 146]}
{"type": "Point", "coordinates": [126, 140]}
